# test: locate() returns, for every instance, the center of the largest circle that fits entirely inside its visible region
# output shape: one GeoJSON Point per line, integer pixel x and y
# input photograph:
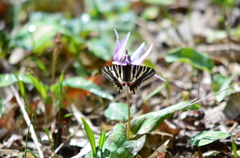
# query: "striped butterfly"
{"type": "Point", "coordinates": [130, 75]}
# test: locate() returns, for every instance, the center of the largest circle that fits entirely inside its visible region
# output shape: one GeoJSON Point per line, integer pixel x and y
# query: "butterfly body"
{"type": "Point", "coordinates": [130, 75]}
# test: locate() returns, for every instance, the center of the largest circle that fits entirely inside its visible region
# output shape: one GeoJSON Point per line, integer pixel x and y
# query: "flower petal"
{"type": "Point", "coordinates": [139, 61]}
{"type": "Point", "coordinates": [119, 63]}
{"type": "Point", "coordinates": [137, 54]}
{"type": "Point", "coordinates": [120, 47]}
{"type": "Point", "coordinates": [160, 78]}
{"type": "Point", "coordinates": [117, 42]}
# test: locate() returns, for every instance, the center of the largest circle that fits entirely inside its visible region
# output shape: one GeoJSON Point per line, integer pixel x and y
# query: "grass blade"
{"type": "Point", "coordinates": [102, 139]}
{"type": "Point", "coordinates": [90, 136]}
{"type": "Point", "coordinates": [1, 104]}
{"type": "Point", "coordinates": [234, 148]}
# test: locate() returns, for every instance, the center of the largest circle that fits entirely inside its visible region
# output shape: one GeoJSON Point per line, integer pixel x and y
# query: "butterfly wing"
{"type": "Point", "coordinates": [139, 74]}
{"type": "Point", "coordinates": [113, 73]}
{"type": "Point", "coordinates": [133, 75]}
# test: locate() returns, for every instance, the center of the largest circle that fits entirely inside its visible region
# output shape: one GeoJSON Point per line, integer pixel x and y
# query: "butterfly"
{"type": "Point", "coordinates": [129, 75]}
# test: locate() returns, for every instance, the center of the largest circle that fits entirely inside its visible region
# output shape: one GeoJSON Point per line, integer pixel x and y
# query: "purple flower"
{"type": "Point", "coordinates": [136, 59]}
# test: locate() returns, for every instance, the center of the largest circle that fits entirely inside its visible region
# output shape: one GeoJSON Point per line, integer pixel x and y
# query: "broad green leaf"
{"type": "Point", "coordinates": [159, 2]}
{"type": "Point", "coordinates": [151, 13]}
{"type": "Point", "coordinates": [117, 111]}
{"type": "Point", "coordinates": [192, 57]}
{"type": "Point", "coordinates": [150, 121]}
{"type": "Point", "coordinates": [192, 107]}
{"type": "Point", "coordinates": [221, 82]}
{"type": "Point", "coordinates": [125, 21]}
{"type": "Point", "coordinates": [105, 7]}
{"type": "Point", "coordinates": [221, 34]}
{"type": "Point", "coordinates": [1, 104]}
{"type": "Point", "coordinates": [220, 2]}
{"type": "Point", "coordinates": [35, 34]}
{"type": "Point", "coordinates": [90, 136]}
{"type": "Point", "coordinates": [100, 49]}
{"type": "Point", "coordinates": [39, 32]}
{"type": "Point", "coordinates": [9, 79]}
{"type": "Point", "coordinates": [207, 137]}
{"type": "Point", "coordinates": [117, 145]}
{"type": "Point", "coordinates": [79, 69]}
{"type": "Point", "coordinates": [82, 83]}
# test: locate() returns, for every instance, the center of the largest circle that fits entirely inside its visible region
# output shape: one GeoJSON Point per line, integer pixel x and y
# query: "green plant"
{"type": "Point", "coordinates": [207, 137]}
{"type": "Point", "coordinates": [90, 136]}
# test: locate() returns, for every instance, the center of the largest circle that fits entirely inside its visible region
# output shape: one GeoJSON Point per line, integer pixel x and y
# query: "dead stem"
{"type": "Point", "coordinates": [28, 121]}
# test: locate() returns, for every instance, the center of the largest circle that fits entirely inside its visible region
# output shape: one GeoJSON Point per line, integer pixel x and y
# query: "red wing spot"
{"type": "Point", "coordinates": [123, 83]}
{"type": "Point", "coordinates": [129, 84]}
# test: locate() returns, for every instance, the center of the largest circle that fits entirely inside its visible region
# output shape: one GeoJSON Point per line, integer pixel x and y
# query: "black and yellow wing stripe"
{"type": "Point", "coordinates": [130, 75]}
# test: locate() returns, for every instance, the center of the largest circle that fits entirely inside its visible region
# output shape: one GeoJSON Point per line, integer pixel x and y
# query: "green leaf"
{"type": "Point", "coordinates": [192, 107]}
{"type": "Point", "coordinates": [102, 139]}
{"type": "Point", "coordinates": [220, 2]}
{"type": "Point", "coordinates": [1, 104]}
{"type": "Point", "coordinates": [159, 2]}
{"type": "Point", "coordinates": [60, 90]}
{"type": "Point", "coordinates": [150, 121]}
{"type": "Point", "coordinates": [221, 82]}
{"type": "Point", "coordinates": [234, 148]}
{"type": "Point", "coordinates": [35, 34]}
{"type": "Point", "coordinates": [151, 13]}
{"type": "Point", "coordinates": [9, 79]}
{"type": "Point", "coordinates": [155, 91]}
{"type": "Point", "coordinates": [207, 137]}
{"type": "Point", "coordinates": [33, 154]}
{"type": "Point", "coordinates": [125, 21]}
{"type": "Point", "coordinates": [117, 111]}
{"type": "Point", "coordinates": [79, 69]}
{"type": "Point", "coordinates": [49, 137]}
{"type": "Point", "coordinates": [222, 34]}
{"type": "Point", "coordinates": [118, 145]}
{"type": "Point", "coordinates": [82, 83]}
{"type": "Point", "coordinates": [40, 64]}
{"type": "Point", "coordinates": [22, 89]}
{"type": "Point", "coordinates": [41, 88]}
{"type": "Point", "coordinates": [90, 136]}
{"type": "Point", "coordinates": [192, 57]}
{"type": "Point", "coordinates": [100, 49]}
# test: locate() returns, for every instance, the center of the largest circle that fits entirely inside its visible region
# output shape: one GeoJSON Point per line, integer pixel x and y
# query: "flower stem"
{"type": "Point", "coordinates": [55, 55]}
{"type": "Point", "coordinates": [129, 115]}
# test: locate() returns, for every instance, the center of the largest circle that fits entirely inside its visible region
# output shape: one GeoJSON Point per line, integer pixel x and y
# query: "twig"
{"type": "Point", "coordinates": [78, 116]}
{"type": "Point", "coordinates": [233, 127]}
{"type": "Point", "coordinates": [194, 100]}
{"type": "Point", "coordinates": [66, 141]}
{"type": "Point", "coordinates": [212, 95]}
{"type": "Point", "coordinates": [28, 121]}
